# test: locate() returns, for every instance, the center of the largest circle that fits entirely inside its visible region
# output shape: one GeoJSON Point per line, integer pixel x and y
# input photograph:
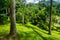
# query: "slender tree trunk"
{"type": "Point", "coordinates": [6, 11]}
{"type": "Point", "coordinates": [23, 19]}
{"type": "Point", "coordinates": [24, 1]}
{"type": "Point", "coordinates": [12, 18]}
{"type": "Point", "coordinates": [50, 17]}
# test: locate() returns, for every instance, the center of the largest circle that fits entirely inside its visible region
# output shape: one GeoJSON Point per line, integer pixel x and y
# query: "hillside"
{"type": "Point", "coordinates": [30, 32]}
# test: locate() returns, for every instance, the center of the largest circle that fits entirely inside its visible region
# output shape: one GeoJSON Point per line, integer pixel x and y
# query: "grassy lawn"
{"type": "Point", "coordinates": [30, 32]}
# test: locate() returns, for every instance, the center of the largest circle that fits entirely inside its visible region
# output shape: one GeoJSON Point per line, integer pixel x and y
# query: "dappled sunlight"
{"type": "Point", "coordinates": [30, 32]}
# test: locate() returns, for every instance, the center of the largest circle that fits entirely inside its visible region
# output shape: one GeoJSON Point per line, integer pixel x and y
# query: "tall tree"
{"type": "Point", "coordinates": [50, 17]}
{"type": "Point", "coordinates": [24, 3]}
{"type": "Point", "coordinates": [12, 18]}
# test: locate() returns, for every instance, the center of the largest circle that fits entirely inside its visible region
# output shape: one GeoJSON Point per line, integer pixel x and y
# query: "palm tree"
{"type": "Point", "coordinates": [12, 18]}
{"type": "Point", "coordinates": [50, 17]}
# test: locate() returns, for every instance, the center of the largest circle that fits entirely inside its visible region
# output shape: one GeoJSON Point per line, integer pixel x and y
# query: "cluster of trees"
{"type": "Point", "coordinates": [37, 14]}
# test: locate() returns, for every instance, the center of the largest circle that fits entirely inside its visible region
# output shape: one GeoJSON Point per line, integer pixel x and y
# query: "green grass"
{"type": "Point", "coordinates": [30, 32]}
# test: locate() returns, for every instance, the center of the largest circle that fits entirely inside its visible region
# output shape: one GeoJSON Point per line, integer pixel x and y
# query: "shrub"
{"type": "Point", "coordinates": [18, 18]}
{"type": "Point", "coordinates": [3, 18]}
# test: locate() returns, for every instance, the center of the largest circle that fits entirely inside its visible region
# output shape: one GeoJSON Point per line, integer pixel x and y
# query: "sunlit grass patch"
{"type": "Point", "coordinates": [29, 32]}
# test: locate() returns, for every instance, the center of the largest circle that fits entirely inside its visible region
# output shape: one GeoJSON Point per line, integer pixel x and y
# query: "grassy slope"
{"type": "Point", "coordinates": [30, 32]}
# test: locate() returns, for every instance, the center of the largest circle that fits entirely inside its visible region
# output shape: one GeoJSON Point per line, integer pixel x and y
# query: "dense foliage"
{"type": "Point", "coordinates": [3, 18]}
{"type": "Point", "coordinates": [36, 14]}
{"type": "Point", "coordinates": [3, 15]}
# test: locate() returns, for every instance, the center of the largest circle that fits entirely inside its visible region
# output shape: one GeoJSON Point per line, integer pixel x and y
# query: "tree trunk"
{"type": "Point", "coordinates": [6, 11]}
{"type": "Point", "coordinates": [12, 18]}
{"type": "Point", "coordinates": [23, 19]}
{"type": "Point", "coordinates": [50, 17]}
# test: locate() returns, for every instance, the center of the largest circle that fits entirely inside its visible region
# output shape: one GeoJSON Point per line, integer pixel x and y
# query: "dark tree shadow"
{"type": "Point", "coordinates": [40, 35]}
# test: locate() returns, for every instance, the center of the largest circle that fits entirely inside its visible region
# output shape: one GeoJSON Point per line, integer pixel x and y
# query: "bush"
{"type": "Point", "coordinates": [19, 18]}
{"type": "Point", "coordinates": [3, 18]}
{"type": "Point", "coordinates": [43, 25]}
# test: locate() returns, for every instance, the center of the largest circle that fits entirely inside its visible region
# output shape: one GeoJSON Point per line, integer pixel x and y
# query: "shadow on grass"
{"type": "Point", "coordinates": [34, 29]}
{"type": "Point", "coordinates": [40, 35]}
{"type": "Point", "coordinates": [22, 36]}
{"type": "Point", "coordinates": [29, 26]}
{"type": "Point", "coordinates": [29, 35]}
{"type": "Point", "coordinates": [49, 37]}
